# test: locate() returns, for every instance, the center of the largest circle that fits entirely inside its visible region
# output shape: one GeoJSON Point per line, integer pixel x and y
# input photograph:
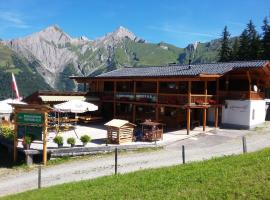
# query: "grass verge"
{"type": "Point", "coordinates": [232, 177]}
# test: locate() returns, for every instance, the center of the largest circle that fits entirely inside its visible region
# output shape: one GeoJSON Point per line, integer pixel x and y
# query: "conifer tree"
{"type": "Point", "coordinates": [225, 50]}
{"type": "Point", "coordinates": [265, 40]}
{"type": "Point", "coordinates": [254, 42]}
{"type": "Point", "coordinates": [243, 51]}
{"type": "Point", "coordinates": [235, 50]}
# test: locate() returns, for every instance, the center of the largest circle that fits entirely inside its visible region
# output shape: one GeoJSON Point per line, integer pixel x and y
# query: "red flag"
{"type": "Point", "coordinates": [14, 87]}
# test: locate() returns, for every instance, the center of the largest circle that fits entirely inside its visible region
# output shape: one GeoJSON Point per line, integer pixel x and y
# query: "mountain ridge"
{"type": "Point", "coordinates": [56, 55]}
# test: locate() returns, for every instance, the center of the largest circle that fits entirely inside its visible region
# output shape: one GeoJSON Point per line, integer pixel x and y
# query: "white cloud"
{"type": "Point", "coordinates": [12, 19]}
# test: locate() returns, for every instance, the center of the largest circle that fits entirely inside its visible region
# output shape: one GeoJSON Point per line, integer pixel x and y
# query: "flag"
{"type": "Point", "coordinates": [14, 87]}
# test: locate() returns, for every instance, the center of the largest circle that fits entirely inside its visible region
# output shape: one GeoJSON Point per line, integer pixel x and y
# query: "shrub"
{"type": "Point", "coordinates": [6, 132]}
{"type": "Point", "coordinates": [27, 140]}
{"type": "Point", "coordinates": [71, 140]}
{"type": "Point", "coordinates": [85, 139]}
{"type": "Point", "coordinates": [58, 140]}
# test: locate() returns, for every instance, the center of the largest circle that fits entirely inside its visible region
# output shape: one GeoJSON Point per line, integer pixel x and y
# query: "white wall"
{"type": "Point", "coordinates": [240, 112]}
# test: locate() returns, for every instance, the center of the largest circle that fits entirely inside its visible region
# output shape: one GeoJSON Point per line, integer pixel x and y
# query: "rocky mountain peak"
{"type": "Point", "coordinates": [122, 32]}
{"type": "Point", "coordinates": [53, 34]}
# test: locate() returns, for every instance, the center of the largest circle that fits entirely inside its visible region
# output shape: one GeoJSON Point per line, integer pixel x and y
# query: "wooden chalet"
{"type": "Point", "coordinates": [184, 96]}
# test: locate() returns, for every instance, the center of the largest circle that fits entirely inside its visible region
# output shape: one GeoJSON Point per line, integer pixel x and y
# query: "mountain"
{"type": "Point", "coordinates": [53, 55]}
{"type": "Point", "coordinates": [28, 78]}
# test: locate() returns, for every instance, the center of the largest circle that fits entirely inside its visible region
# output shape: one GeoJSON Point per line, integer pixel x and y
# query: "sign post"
{"type": "Point", "coordinates": [31, 120]}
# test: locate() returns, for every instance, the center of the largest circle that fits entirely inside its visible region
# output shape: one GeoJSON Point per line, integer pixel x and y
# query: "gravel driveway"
{"type": "Point", "coordinates": [200, 147]}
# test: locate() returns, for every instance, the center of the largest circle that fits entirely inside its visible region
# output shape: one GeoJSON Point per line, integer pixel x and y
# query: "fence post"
{"type": "Point", "coordinates": [244, 144]}
{"type": "Point", "coordinates": [183, 154]}
{"type": "Point", "coordinates": [39, 176]}
{"type": "Point", "coordinates": [115, 159]}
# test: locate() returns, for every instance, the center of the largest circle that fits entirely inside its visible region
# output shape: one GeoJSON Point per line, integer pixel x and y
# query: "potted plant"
{"type": "Point", "coordinates": [27, 140]}
{"type": "Point", "coordinates": [58, 140]}
{"type": "Point", "coordinates": [71, 141]}
{"type": "Point", "coordinates": [85, 139]}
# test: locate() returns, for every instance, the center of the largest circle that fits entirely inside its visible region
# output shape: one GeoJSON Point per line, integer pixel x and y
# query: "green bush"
{"type": "Point", "coordinates": [27, 140]}
{"type": "Point", "coordinates": [71, 140]}
{"type": "Point", "coordinates": [85, 139]}
{"type": "Point", "coordinates": [6, 132]}
{"type": "Point", "coordinates": [58, 140]}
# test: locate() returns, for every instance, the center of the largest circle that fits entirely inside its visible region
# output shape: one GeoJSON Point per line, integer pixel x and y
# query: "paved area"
{"type": "Point", "coordinates": [98, 134]}
{"type": "Point", "coordinates": [199, 147]}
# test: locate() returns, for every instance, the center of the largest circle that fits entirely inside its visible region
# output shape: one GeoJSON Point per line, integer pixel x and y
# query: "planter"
{"type": "Point", "coordinates": [72, 145]}
{"type": "Point", "coordinates": [84, 144]}
{"type": "Point", "coordinates": [60, 145]}
{"type": "Point", "coordinates": [26, 146]}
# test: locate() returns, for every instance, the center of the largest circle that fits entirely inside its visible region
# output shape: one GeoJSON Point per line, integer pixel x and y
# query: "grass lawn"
{"type": "Point", "coordinates": [234, 177]}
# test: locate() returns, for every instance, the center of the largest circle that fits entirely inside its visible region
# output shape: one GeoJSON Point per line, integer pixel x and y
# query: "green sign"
{"type": "Point", "coordinates": [30, 118]}
{"type": "Point", "coordinates": [35, 132]}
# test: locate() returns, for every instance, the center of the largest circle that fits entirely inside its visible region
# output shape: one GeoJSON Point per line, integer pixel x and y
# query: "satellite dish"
{"type": "Point", "coordinates": [255, 88]}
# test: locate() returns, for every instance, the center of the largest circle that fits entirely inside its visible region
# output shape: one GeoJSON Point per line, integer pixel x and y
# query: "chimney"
{"type": "Point", "coordinates": [189, 63]}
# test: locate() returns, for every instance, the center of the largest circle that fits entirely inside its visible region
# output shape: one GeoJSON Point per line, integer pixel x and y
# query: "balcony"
{"type": "Point", "coordinates": [240, 95]}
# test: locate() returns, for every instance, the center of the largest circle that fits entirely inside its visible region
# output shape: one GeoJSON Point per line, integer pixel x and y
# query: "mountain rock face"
{"type": "Point", "coordinates": [55, 55]}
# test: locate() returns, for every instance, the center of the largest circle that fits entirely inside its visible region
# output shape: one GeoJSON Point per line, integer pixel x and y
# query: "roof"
{"type": "Point", "coordinates": [151, 123]}
{"type": "Point", "coordinates": [183, 70]}
{"type": "Point", "coordinates": [118, 123]}
{"type": "Point", "coordinates": [55, 98]}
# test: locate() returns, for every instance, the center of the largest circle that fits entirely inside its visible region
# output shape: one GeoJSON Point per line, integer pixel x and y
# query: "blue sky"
{"type": "Point", "coordinates": [178, 22]}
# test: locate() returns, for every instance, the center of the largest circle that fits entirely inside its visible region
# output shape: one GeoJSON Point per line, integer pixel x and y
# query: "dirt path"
{"type": "Point", "coordinates": [204, 146]}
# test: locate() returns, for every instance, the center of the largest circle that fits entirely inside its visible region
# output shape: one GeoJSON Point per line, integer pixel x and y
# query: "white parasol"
{"type": "Point", "coordinates": [5, 106]}
{"type": "Point", "coordinates": [75, 106]}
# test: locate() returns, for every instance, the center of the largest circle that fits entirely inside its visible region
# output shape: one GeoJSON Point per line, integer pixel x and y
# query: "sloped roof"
{"type": "Point", "coordinates": [183, 70]}
{"type": "Point", "coordinates": [117, 123]}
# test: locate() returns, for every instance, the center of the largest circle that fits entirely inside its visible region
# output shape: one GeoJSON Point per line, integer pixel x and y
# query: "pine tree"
{"type": "Point", "coordinates": [254, 42]}
{"type": "Point", "coordinates": [225, 50]}
{"type": "Point", "coordinates": [243, 51]}
{"type": "Point", "coordinates": [235, 50]}
{"type": "Point", "coordinates": [265, 40]}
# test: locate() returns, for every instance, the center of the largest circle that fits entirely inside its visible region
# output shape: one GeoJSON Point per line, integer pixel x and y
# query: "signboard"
{"type": "Point", "coordinates": [35, 132]}
{"type": "Point", "coordinates": [30, 118]}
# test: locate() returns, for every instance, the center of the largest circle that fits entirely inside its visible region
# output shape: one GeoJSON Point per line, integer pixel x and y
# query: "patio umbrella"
{"type": "Point", "coordinates": [75, 106]}
{"type": "Point", "coordinates": [5, 106]}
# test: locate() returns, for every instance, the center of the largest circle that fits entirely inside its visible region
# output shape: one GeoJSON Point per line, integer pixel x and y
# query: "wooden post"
{"type": "Point", "coordinates": [45, 125]}
{"type": "Point", "coordinates": [134, 106]}
{"type": "Point", "coordinates": [216, 117]}
{"type": "Point", "coordinates": [204, 119]}
{"type": "Point", "coordinates": [183, 154]}
{"type": "Point", "coordinates": [244, 144]}
{"type": "Point", "coordinates": [157, 95]}
{"type": "Point", "coordinates": [205, 91]}
{"type": "Point", "coordinates": [249, 83]}
{"type": "Point", "coordinates": [189, 92]}
{"type": "Point", "coordinates": [205, 109]}
{"type": "Point", "coordinates": [134, 113]}
{"type": "Point", "coordinates": [188, 108]}
{"type": "Point", "coordinates": [115, 160]}
{"type": "Point", "coordinates": [39, 176]}
{"type": "Point", "coordinates": [188, 120]}
{"type": "Point", "coordinates": [217, 91]}
{"type": "Point", "coordinates": [15, 142]}
{"type": "Point", "coordinates": [114, 98]}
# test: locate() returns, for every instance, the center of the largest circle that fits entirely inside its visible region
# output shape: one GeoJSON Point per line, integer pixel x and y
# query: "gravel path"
{"type": "Point", "coordinates": [203, 146]}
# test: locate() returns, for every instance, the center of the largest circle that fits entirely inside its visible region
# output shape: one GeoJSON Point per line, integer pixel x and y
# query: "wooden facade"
{"type": "Point", "coordinates": [177, 101]}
